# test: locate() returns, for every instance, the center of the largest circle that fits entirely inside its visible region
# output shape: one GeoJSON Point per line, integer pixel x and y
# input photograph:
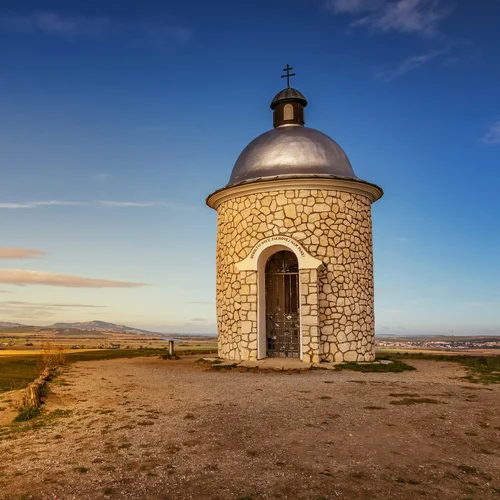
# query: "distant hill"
{"type": "Point", "coordinates": [7, 324]}
{"type": "Point", "coordinates": [99, 326]}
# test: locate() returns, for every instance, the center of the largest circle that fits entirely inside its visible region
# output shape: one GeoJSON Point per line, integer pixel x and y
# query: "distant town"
{"type": "Point", "coordinates": [440, 343]}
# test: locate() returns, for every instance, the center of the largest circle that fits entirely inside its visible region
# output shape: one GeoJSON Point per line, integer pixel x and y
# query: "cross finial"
{"type": "Point", "coordinates": [288, 74]}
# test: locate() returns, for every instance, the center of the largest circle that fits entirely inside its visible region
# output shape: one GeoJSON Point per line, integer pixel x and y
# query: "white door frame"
{"type": "Point", "coordinates": [256, 261]}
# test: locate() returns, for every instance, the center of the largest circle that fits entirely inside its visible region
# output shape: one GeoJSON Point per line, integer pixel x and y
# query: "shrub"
{"type": "Point", "coordinates": [27, 414]}
{"type": "Point", "coordinates": [169, 356]}
{"type": "Point", "coordinates": [52, 356]}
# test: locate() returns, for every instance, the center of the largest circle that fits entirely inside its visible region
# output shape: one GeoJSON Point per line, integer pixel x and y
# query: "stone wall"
{"type": "Point", "coordinates": [332, 226]}
{"type": "Point", "coordinates": [309, 317]}
{"type": "Point", "coordinates": [241, 341]}
{"type": "Point", "coordinates": [32, 397]}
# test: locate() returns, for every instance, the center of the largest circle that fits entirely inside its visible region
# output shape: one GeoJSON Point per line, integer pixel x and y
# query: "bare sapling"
{"type": "Point", "coordinates": [52, 356]}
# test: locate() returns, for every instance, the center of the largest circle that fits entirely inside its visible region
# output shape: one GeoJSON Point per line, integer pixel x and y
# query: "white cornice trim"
{"type": "Point", "coordinates": [362, 188]}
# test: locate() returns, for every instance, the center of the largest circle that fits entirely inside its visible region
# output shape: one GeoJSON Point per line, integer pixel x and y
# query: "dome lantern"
{"type": "Point", "coordinates": [288, 105]}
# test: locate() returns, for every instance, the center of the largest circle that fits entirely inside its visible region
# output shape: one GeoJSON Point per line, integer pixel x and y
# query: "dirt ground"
{"type": "Point", "coordinates": [154, 429]}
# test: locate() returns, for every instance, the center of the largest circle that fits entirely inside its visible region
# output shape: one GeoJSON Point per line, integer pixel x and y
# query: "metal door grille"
{"type": "Point", "coordinates": [282, 306]}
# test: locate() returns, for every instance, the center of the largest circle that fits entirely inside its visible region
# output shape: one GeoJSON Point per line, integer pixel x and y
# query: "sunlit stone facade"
{"type": "Point", "coordinates": [325, 221]}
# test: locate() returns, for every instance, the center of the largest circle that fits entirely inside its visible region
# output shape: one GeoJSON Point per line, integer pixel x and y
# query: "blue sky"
{"type": "Point", "coordinates": [119, 118]}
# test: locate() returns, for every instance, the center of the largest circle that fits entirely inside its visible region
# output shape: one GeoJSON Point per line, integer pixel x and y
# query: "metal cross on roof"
{"type": "Point", "coordinates": [288, 74]}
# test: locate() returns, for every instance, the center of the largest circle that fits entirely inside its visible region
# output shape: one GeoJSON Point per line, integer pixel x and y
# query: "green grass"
{"type": "Point", "coordinates": [27, 414]}
{"type": "Point", "coordinates": [43, 419]}
{"type": "Point", "coordinates": [16, 372]}
{"type": "Point", "coordinates": [395, 366]}
{"type": "Point", "coordinates": [480, 369]}
{"type": "Point", "coordinates": [22, 425]}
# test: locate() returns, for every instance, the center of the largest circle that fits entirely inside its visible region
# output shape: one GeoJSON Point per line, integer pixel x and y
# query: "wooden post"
{"type": "Point", "coordinates": [171, 347]}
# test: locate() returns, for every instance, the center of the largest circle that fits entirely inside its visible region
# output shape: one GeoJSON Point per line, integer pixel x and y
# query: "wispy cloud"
{"type": "Point", "coordinates": [101, 177]}
{"type": "Point", "coordinates": [102, 203]}
{"type": "Point", "coordinates": [53, 23]}
{"type": "Point", "coordinates": [492, 137]}
{"type": "Point", "coordinates": [199, 320]}
{"type": "Point", "coordinates": [353, 6]}
{"type": "Point", "coordinates": [479, 304]}
{"type": "Point", "coordinates": [204, 302]}
{"type": "Point", "coordinates": [174, 329]}
{"type": "Point", "coordinates": [144, 204]}
{"type": "Point", "coordinates": [411, 64]}
{"type": "Point", "coordinates": [20, 253]}
{"type": "Point", "coordinates": [420, 17]}
{"type": "Point", "coordinates": [22, 277]}
{"type": "Point", "coordinates": [160, 35]}
{"type": "Point", "coordinates": [49, 304]}
{"type": "Point", "coordinates": [395, 311]}
{"type": "Point", "coordinates": [20, 310]}
{"type": "Point", "coordinates": [157, 32]}
{"type": "Point", "coordinates": [35, 204]}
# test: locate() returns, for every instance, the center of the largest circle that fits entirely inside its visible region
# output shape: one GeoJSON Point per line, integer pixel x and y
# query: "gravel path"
{"type": "Point", "coordinates": [153, 429]}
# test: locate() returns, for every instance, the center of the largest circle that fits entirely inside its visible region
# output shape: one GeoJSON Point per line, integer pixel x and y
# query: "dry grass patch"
{"type": "Point", "coordinates": [394, 366]}
{"type": "Point", "coordinates": [81, 470]}
{"type": "Point", "coordinates": [404, 395]}
{"type": "Point", "coordinates": [416, 401]}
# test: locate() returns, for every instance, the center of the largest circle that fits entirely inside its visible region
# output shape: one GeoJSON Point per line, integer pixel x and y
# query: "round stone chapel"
{"type": "Point", "coordinates": [294, 247]}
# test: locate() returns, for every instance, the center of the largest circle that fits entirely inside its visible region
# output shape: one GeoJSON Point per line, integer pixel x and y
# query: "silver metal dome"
{"type": "Point", "coordinates": [291, 151]}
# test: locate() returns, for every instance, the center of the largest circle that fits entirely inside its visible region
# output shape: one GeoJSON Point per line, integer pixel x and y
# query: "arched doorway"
{"type": "Point", "coordinates": [282, 306]}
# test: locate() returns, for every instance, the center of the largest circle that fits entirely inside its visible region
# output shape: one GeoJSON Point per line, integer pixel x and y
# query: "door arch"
{"type": "Point", "coordinates": [256, 261]}
{"type": "Point", "coordinates": [282, 301]}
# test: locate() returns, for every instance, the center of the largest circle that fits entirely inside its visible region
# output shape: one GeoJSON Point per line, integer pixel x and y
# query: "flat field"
{"type": "Point", "coordinates": [17, 371]}
{"type": "Point", "coordinates": [161, 429]}
{"type": "Point", "coordinates": [35, 352]}
{"type": "Point", "coordinates": [81, 339]}
{"type": "Point", "coordinates": [18, 367]}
